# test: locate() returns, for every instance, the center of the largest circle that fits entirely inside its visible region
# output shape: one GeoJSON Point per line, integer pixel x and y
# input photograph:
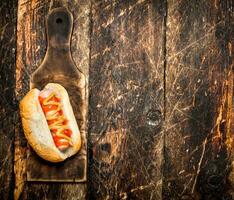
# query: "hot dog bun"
{"type": "Point", "coordinates": [36, 129]}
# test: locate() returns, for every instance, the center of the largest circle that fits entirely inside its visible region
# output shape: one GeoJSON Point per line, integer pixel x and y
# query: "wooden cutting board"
{"type": "Point", "coordinates": [59, 67]}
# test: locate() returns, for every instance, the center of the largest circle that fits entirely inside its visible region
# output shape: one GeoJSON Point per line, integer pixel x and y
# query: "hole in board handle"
{"type": "Point", "coordinates": [59, 20]}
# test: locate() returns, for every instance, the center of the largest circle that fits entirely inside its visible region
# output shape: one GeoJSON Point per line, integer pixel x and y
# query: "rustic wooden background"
{"type": "Point", "coordinates": [161, 104]}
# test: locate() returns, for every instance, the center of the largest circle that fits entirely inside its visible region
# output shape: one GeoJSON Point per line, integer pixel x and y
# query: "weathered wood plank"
{"type": "Point", "coordinates": [7, 100]}
{"type": "Point", "coordinates": [126, 99]}
{"type": "Point", "coordinates": [31, 48]}
{"type": "Point", "coordinates": [199, 93]}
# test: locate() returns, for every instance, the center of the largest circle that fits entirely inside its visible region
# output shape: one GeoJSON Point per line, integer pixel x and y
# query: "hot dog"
{"type": "Point", "coordinates": [49, 123]}
{"type": "Point", "coordinates": [51, 106]}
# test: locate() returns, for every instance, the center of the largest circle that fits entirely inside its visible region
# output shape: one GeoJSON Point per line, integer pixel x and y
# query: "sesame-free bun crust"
{"type": "Point", "coordinates": [36, 129]}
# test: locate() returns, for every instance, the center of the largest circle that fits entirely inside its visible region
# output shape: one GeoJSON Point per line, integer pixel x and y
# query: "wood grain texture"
{"type": "Point", "coordinates": [7, 99]}
{"type": "Point", "coordinates": [126, 99]}
{"type": "Point", "coordinates": [129, 47]}
{"type": "Point", "coordinates": [199, 94]}
{"type": "Point", "coordinates": [31, 48]}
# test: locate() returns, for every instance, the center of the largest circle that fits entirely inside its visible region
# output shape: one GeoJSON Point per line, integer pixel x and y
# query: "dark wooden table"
{"type": "Point", "coordinates": [161, 103]}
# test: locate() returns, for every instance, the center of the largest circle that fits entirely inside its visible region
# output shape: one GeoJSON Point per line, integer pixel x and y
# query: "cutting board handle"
{"type": "Point", "coordinates": [59, 24]}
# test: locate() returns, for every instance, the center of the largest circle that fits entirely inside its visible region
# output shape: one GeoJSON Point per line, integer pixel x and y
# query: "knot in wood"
{"type": "Point", "coordinates": [154, 117]}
